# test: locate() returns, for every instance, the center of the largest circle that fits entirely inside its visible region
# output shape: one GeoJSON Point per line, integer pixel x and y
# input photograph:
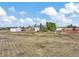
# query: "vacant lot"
{"type": "Point", "coordinates": [31, 44]}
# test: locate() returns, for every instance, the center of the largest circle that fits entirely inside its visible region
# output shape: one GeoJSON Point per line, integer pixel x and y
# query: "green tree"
{"type": "Point", "coordinates": [70, 26]}
{"type": "Point", "coordinates": [51, 26]}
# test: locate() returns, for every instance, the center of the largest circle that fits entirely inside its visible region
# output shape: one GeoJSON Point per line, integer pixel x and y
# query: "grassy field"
{"type": "Point", "coordinates": [38, 44]}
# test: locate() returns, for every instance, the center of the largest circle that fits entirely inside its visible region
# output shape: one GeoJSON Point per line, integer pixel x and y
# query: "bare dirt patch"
{"type": "Point", "coordinates": [35, 44]}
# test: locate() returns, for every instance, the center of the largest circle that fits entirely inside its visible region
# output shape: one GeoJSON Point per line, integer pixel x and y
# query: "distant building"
{"type": "Point", "coordinates": [67, 29]}
{"type": "Point", "coordinates": [15, 29]}
{"type": "Point", "coordinates": [71, 30]}
{"type": "Point", "coordinates": [59, 29]}
{"type": "Point", "coordinates": [30, 29]}
{"type": "Point", "coordinates": [37, 29]}
{"type": "Point", "coordinates": [76, 29]}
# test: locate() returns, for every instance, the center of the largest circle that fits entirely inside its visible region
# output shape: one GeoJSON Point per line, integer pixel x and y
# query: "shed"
{"type": "Point", "coordinates": [15, 29]}
{"type": "Point", "coordinates": [36, 29]}
{"type": "Point", "coordinates": [58, 29]}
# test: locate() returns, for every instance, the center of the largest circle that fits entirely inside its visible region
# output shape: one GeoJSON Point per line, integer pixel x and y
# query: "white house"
{"type": "Point", "coordinates": [37, 29]}
{"type": "Point", "coordinates": [15, 29]}
{"type": "Point", "coordinates": [58, 29]}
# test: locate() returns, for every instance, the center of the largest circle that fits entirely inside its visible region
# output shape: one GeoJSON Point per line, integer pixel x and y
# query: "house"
{"type": "Point", "coordinates": [76, 29]}
{"type": "Point", "coordinates": [59, 29]}
{"type": "Point", "coordinates": [15, 29]}
{"type": "Point", "coordinates": [71, 30]}
{"type": "Point", "coordinates": [37, 29]}
{"type": "Point", "coordinates": [67, 29]}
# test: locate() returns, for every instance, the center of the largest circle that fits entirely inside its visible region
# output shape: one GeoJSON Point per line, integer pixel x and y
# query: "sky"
{"type": "Point", "coordinates": [13, 14]}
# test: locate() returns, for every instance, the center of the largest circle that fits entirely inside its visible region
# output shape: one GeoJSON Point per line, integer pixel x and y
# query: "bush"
{"type": "Point", "coordinates": [51, 26]}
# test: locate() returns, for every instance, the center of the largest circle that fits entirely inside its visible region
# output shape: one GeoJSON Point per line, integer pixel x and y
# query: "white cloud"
{"type": "Point", "coordinates": [21, 20]}
{"type": "Point", "coordinates": [56, 17]}
{"type": "Point", "coordinates": [29, 20]}
{"type": "Point", "coordinates": [32, 21]}
{"type": "Point", "coordinates": [70, 8]}
{"type": "Point", "coordinates": [6, 20]}
{"type": "Point", "coordinates": [12, 9]}
{"type": "Point", "coordinates": [73, 16]}
{"type": "Point", "coordinates": [62, 20]}
{"type": "Point", "coordinates": [66, 15]}
{"type": "Point", "coordinates": [22, 13]}
{"type": "Point", "coordinates": [26, 21]}
{"type": "Point", "coordinates": [49, 11]}
{"type": "Point", "coordinates": [9, 19]}
{"type": "Point", "coordinates": [59, 17]}
{"type": "Point", "coordinates": [65, 11]}
{"type": "Point", "coordinates": [43, 21]}
{"type": "Point", "coordinates": [2, 12]}
{"type": "Point", "coordinates": [13, 18]}
{"type": "Point", "coordinates": [40, 20]}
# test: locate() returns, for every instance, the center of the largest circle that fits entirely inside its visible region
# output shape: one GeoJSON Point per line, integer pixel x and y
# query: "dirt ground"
{"type": "Point", "coordinates": [38, 44]}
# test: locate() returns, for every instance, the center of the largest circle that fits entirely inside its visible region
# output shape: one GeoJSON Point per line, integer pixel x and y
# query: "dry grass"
{"type": "Point", "coordinates": [36, 44]}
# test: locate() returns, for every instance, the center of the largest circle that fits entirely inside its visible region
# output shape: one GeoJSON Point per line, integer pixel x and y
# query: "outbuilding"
{"type": "Point", "coordinates": [36, 29]}
{"type": "Point", "coordinates": [15, 29]}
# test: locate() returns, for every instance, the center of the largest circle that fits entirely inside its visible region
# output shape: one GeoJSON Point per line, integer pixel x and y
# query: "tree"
{"type": "Point", "coordinates": [35, 25]}
{"type": "Point", "coordinates": [45, 29]}
{"type": "Point", "coordinates": [23, 28]}
{"type": "Point", "coordinates": [41, 27]}
{"type": "Point", "coordinates": [70, 26]}
{"type": "Point", "coordinates": [51, 26]}
{"type": "Point", "coordinates": [74, 28]}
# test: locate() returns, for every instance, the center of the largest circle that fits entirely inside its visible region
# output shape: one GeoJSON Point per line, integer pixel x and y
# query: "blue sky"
{"type": "Point", "coordinates": [30, 13]}
{"type": "Point", "coordinates": [33, 8]}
